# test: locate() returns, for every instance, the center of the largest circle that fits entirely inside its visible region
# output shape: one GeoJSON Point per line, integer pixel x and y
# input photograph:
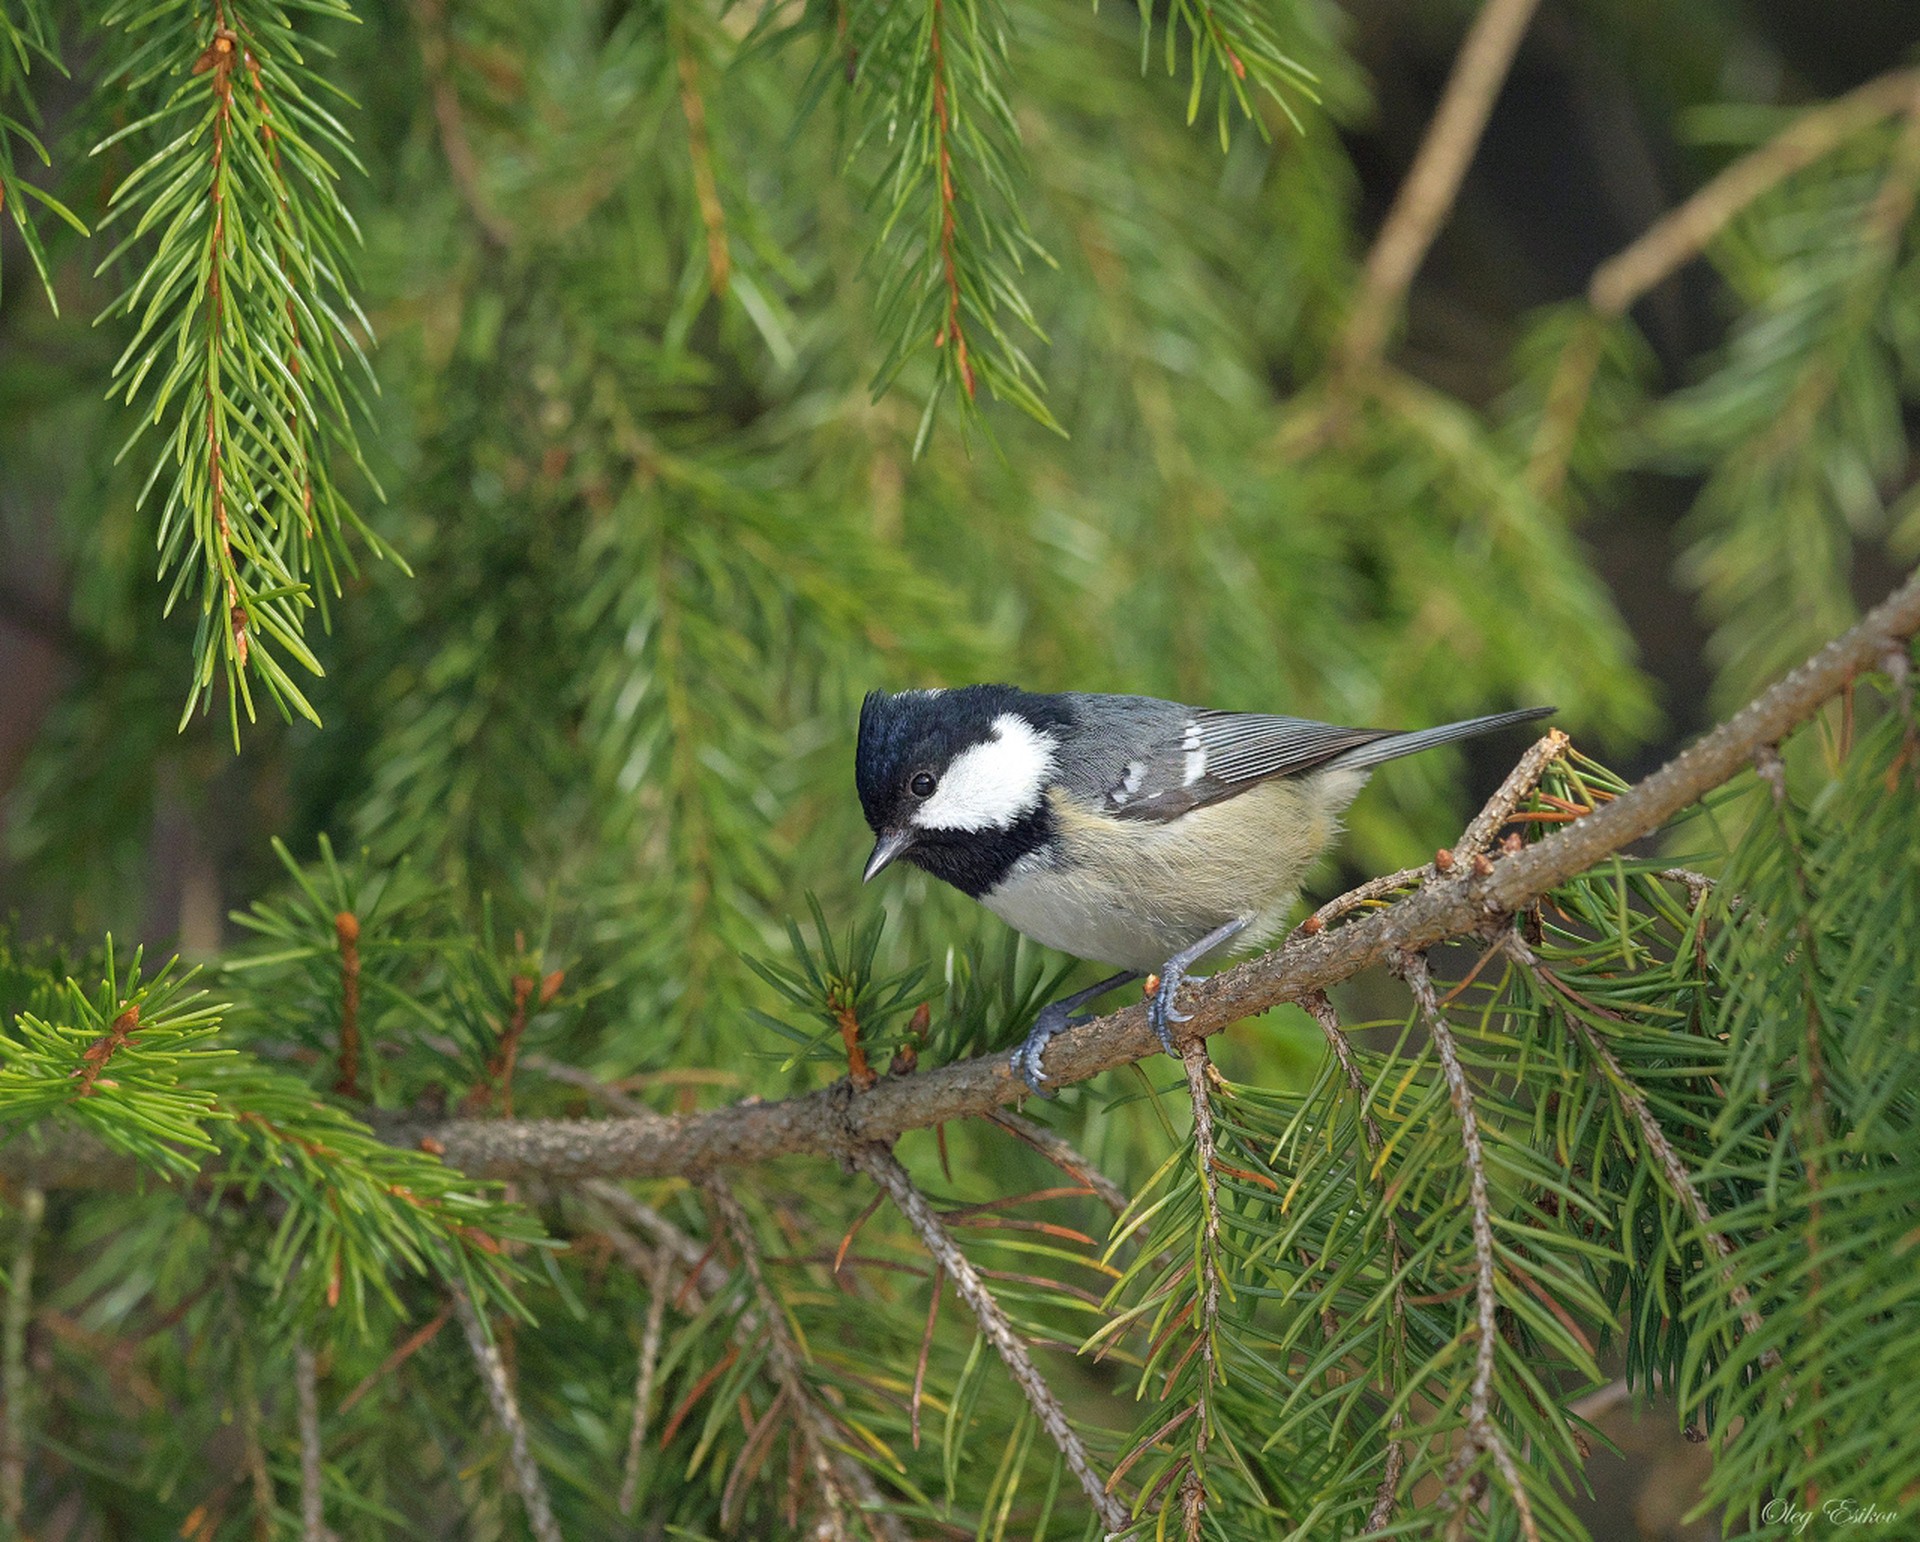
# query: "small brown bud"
{"type": "Point", "coordinates": [1313, 924]}
{"type": "Point", "coordinates": [1482, 868]}
{"type": "Point", "coordinates": [346, 926]}
{"type": "Point", "coordinates": [432, 1147]}
{"type": "Point", "coordinates": [1443, 859]}
{"type": "Point", "coordinates": [550, 986]}
{"type": "Point", "coordinates": [1513, 843]}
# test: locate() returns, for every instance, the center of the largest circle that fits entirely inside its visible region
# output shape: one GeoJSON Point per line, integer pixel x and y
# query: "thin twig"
{"type": "Point", "coordinates": [462, 165]}
{"type": "Point", "coordinates": [1682, 234]}
{"type": "Point", "coordinates": [952, 331]}
{"type": "Point", "coordinates": [841, 1485]}
{"type": "Point", "coordinates": [884, 1168]}
{"type": "Point", "coordinates": [1063, 1155]}
{"type": "Point", "coordinates": [1521, 780]}
{"type": "Point", "coordinates": [1373, 890]}
{"type": "Point", "coordinates": [1433, 181]}
{"type": "Point", "coordinates": [253, 1446]}
{"type": "Point", "coordinates": [1206, 1316]}
{"type": "Point", "coordinates": [404, 1351]}
{"type": "Point", "coordinates": [1483, 1433]}
{"type": "Point", "coordinates": [706, 187]}
{"type": "Point", "coordinates": [1680, 1181]}
{"type": "Point", "coordinates": [218, 62]}
{"type": "Point", "coordinates": [926, 1349]}
{"type": "Point", "coordinates": [1698, 885]}
{"type": "Point", "coordinates": [1320, 1008]}
{"type": "Point", "coordinates": [346, 932]}
{"type": "Point", "coordinates": [498, 1076]}
{"type": "Point", "coordinates": [96, 1055]}
{"type": "Point", "coordinates": [506, 1411]}
{"type": "Point", "coordinates": [648, 1367]}
{"type": "Point", "coordinates": [13, 1363]}
{"type": "Point", "coordinates": [709, 1275]}
{"type": "Point", "coordinates": [306, 1402]}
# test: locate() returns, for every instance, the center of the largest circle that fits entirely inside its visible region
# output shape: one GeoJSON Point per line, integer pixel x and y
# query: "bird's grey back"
{"type": "Point", "coordinates": [1138, 757]}
{"type": "Point", "coordinates": [1142, 758]}
{"type": "Point", "coordinates": [1114, 733]}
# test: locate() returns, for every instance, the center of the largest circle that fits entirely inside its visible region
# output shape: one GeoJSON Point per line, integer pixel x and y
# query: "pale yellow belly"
{"type": "Point", "coordinates": [1134, 892]}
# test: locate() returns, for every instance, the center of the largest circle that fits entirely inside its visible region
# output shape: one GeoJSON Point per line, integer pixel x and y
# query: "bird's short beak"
{"type": "Point", "coordinates": [885, 850]}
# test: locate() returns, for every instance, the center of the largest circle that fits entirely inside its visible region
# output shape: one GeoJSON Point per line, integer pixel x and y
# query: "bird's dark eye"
{"type": "Point", "coordinates": [922, 784]}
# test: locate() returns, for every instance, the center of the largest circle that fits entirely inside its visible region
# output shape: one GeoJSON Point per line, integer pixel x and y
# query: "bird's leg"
{"type": "Point", "coordinates": [1054, 1018]}
{"type": "Point", "coordinates": [1160, 1011]}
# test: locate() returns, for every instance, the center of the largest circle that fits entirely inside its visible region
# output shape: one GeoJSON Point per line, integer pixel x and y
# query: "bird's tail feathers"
{"type": "Point", "coordinates": [1396, 745]}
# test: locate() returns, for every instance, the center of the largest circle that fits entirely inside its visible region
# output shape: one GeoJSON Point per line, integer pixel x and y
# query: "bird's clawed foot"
{"type": "Point", "coordinates": [1160, 1013]}
{"type": "Point", "coordinates": [1055, 1018]}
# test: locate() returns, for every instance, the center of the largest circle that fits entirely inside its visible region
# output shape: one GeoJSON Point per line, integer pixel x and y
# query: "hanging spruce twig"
{"type": "Point", "coordinates": [884, 1168]}
{"type": "Point", "coordinates": [521, 1466]}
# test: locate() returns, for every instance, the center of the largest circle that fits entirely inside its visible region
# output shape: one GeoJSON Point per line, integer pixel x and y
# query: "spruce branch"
{"type": "Point", "coordinates": [932, 80]}
{"type": "Point", "coordinates": [29, 34]}
{"type": "Point", "coordinates": [1433, 181]}
{"type": "Point", "coordinates": [658, 1277]}
{"type": "Point", "coordinates": [1680, 1182]}
{"type": "Point", "coordinates": [306, 1402]}
{"type": "Point", "coordinates": [521, 1466]}
{"type": "Point", "coordinates": [838, 1495]}
{"type": "Point", "coordinates": [706, 186]}
{"type": "Point", "coordinates": [242, 353]}
{"type": "Point", "coordinates": [884, 1168]}
{"type": "Point", "coordinates": [835, 1120]}
{"type": "Point", "coordinates": [1484, 1436]}
{"type": "Point", "coordinates": [1206, 1311]}
{"type": "Point", "coordinates": [1455, 905]}
{"type": "Point", "coordinates": [1386, 1496]}
{"type": "Point", "coordinates": [346, 928]}
{"type": "Point", "coordinates": [430, 18]}
{"type": "Point", "coordinates": [1681, 235]}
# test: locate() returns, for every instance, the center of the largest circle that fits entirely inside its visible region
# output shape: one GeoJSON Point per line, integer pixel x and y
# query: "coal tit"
{"type": "Point", "coordinates": [1121, 829]}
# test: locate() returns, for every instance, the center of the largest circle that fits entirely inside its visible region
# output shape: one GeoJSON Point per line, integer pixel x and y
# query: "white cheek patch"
{"type": "Point", "coordinates": [992, 784]}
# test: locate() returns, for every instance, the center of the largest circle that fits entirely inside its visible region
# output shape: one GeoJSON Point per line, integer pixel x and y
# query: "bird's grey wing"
{"type": "Point", "coordinates": [1207, 756]}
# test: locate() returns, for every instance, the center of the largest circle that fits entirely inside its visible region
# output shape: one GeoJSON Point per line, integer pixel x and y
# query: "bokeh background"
{"type": "Point", "coordinates": [623, 279]}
